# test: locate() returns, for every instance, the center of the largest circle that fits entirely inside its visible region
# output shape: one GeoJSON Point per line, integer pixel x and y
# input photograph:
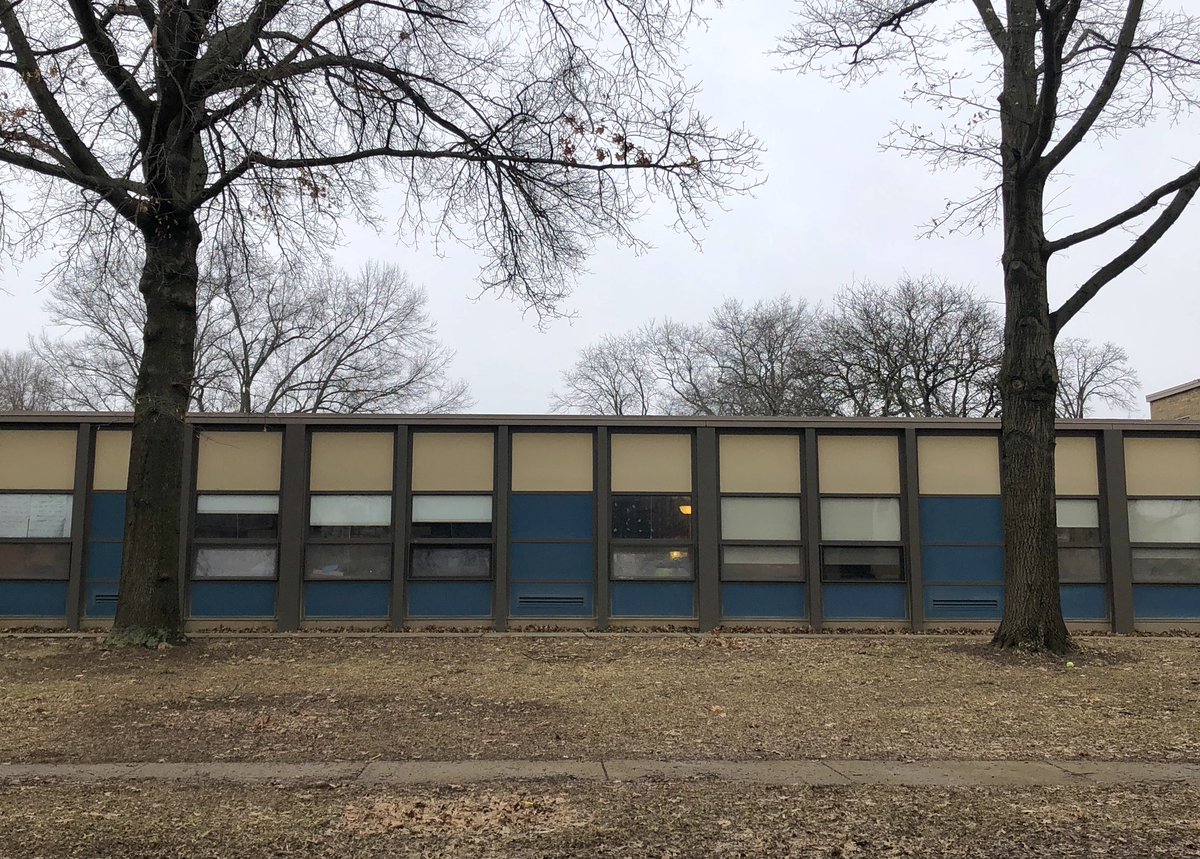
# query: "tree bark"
{"type": "Point", "coordinates": [149, 607]}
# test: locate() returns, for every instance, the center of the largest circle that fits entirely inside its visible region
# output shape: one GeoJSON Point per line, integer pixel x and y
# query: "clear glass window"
{"type": "Point", "coordinates": [1166, 566]}
{"type": "Point", "coordinates": [761, 563]}
{"type": "Point", "coordinates": [247, 517]}
{"type": "Point", "coordinates": [861, 564]}
{"type": "Point", "coordinates": [451, 562]}
{"type": "Point", "coordinates": [652, 517]}
{"type": "Point", "coordinates": [652, 563]}
{"type": "Point", "coordinates": [354, 561]}
{"type": "Point", "coordinates": [1077, 565]}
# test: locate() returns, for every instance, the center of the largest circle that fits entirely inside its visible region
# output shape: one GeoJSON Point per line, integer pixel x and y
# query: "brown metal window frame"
{"type": "Point", "coordinates": [688, 543]}
{"type": "Point", "coordinates": [387, 539]}
{"type": "Point", "coordinates": [763, 543]}
{"type": "Point", "coordinates": [198, 543]}
{"type": "Point", "coordinates": [415, 542]}
{"type": "Point", "coordinates": [41, 541]}
{"type": "Point", "coordinates": [824, 544]}
{"type": "Point", "coordinates": [1134, 546]}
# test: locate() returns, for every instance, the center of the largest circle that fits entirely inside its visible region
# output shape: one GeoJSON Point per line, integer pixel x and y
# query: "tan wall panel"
{"type": "Point", "coordinates": [651, 462]}
{"type": "Point", "coordinates": [351, 462]}
{"type": "Point", "coordinates": [760, 463]}
{"type": "Point", "coordinates": [959, 465]}
{"type": "Point", "coordinates": [37, 459]}
{"type": "Point", "coordinates": [1075, 466]}
{"type": "Point", "coordinates": [239, 461]}
{"type": "Point", "coordinates": [551, 462]}
{"type": "Point", "coordinates": [111, 469]}
{"type": "Point", "coordinates": [859, 464]}
{"type": "Point", "coordinates": [1162, 466]}
{"type": "Point", "coordinates": [453, 461]}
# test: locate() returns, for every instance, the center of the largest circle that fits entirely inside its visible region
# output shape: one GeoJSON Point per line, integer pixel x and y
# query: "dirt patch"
{"type": "Point", "coordinates": [703, 697]}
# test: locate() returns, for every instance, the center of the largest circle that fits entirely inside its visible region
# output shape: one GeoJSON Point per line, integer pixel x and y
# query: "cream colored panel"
{"type": "Point", "coordinates": [241, 461]}
{"type": "Point", "coordinates": [1162, 466]}
{"type": "Point", "coordinates": [959, 465]}
{"type": "Point", "coordinates": [37, 459]}
{"type": "Point", "coordinates": [453, 461]}
{"type": "Point", "coordinates": [111, 469]}
{"type": "Point", "coordinates": [859, 464]}
{"type": "Point", "coordinates": [351, 462]}
{"type": "Point", "coordinates": [551, 462]}
{"type": "Point", "coordinates": [1075, 466]}
{"type": "Point", "coordinates": [652, 463]}
{"type": "Point", "coordinates": [760, 463]}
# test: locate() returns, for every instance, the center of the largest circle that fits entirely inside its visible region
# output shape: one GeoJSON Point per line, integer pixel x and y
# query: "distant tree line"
{"type": "Point", "coordinates": [921, 348]}
{"type": "Point", "coordinates": [269, 338]}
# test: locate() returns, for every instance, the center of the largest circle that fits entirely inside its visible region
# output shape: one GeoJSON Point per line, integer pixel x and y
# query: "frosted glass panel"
{"type": "Point", "coordinates": [234, 563]}
{"type": "Point", "coordinates": [351, 510]}
{"type": "Point", "coordinates": [237, 504]}
{"type": "Point", "coordinates": [452, 508]}
{"type": "Point", "coordinates": [46, 516]}
{"type": "Point", "coordinates": [761, 563]}
{"type": "Point", "coordinates": [1078, 513]}
{"type": "Point", "coordinates": [651, 563]}
{"type": "Point", "coordinates": [860, 519]}
{"type": "Point", "coordinates": [1164, 520]}
{"type": "Point", "coordinates": [760, 518]}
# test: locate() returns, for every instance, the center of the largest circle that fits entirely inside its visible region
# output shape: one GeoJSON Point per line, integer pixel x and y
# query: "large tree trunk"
{"type": "Point", "coordinates": [149, 608]}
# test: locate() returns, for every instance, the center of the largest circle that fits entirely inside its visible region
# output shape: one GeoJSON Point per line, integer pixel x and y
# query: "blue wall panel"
{"type": "Point", "coordinates": [963, 564]}
{"type": "Point", "coordinates": [108, 516]}
{"type": "Point", "coordinates": [969, 602]}
{"type": "Point", "coordinates": [653, 599]}
{"type": "Point", "coordinates": [780, 600]}
{"type": "Point", "coordinates": [33, 599]}
{"type": "Point", "coordinates": [449, 599]}
{"type": "Point", "coordinates": [99, 599]}
{"type": "Point", "coordinates": [552, 561]}
{"type": "Point", "coordinates": [961, 520]}
{"type": "Point", "coordinates": [232, 599]}
{"type": "Point", "coordinates": [874, 601]}
{"type": "Point", "coordinates": [346, 599]}
{"type": "Point", "coordinates": [552, 517]}
{"type": "Point", "coordinates": [1084, 602]}
{"type": "Point", "coordinates": [1166, 602]}
{"type": "Point", "coordinates": [533, 599]}
{"type": "Point", "coordinates": [103, 561]}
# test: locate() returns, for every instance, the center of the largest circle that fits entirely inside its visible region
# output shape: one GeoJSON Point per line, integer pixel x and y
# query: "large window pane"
{"type": "Point", "coordinates": [1164, 520]}
{"type": "Point", "coordinates": [861, 564]}
{"type": "Point", "coordinates": [349, 562]}
{"type": "Point", "coordinates": [860, 519]}
{"type": "Point", "coordinates": [652, 517]}
{"type": "Point", "coordinates": [451, 562]}
{"type": "Point", "coordinates": [760, 518]}
{"type": "Point", "coordinates": [1080, 565]}
{"type": "Point", "coordinates": [50, 561]}
{"type": "Point", "coordinates": [452, 508]}
{"type": "Point", "coordinates": [1166, 565]}
{"type": "Point", "coordinates": [220, 562]}
{"type": "Point", "coordinates": [254, 517]}
{"type": "Point", "coordinates": [761, 563]}
{"type": "Point", "coordinates": [1078, 521]}
{"type": "Point", "coordinates": [237, 504]}
{"type": "Point", "coordinates": [652, 563]}
{"type": "Point", "coordinates": [341, 516]}
{"type": "Point", "coordinates": [35, 515]}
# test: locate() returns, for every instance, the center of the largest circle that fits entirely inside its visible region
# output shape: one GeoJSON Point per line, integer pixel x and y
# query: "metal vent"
{"type": "Point", "coordinates": [104, 598]}
{"type": "Point", "coordinates": [967, 603]}
{"type": "Point", "coordinates": [550, 600]}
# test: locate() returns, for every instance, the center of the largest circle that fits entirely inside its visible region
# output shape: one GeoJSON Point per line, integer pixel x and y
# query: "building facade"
{"type": "Point", "coordinates": [520, 522]}
{"type": "Point", "coordinates": [1181, 402]}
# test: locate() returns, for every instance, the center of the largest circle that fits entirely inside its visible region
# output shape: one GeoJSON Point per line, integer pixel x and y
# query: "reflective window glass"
{"type": "Point", "coordinates": [861, 564]}
{"type": "Point", "coordinates": [1080, 565]}
{"type": "Point", "coordinates": [652, 563]}
{"type": "Point", "coordinates": [1078, 521]}
{"type": "Point", "coordinates": [254, 517]}
{"type": "Point", "coordinates": [354, 561]}
{"type": "Point", "coordinates": [47, 561]}
{"type": "Point", "coordinates": [1166, 565]}
{"type": "Point", "coordinates": [451, 562]}
{"type": "Point", "coordinates": [761, 563]}
{"type": "Point", "coordinates": [652, 517]}
{"type": "Point", "coordinates": [450, 516]}
{"type": "Point", "coordinates": [760, 518]}
{"type": "Point", "coordinates": [35, 515]}
{"type": "Point", "coordinates": [341, 516]}
{"type": "Point", "coordinates": [875, 519]}
{"type": "Point", "coordinates": [1164, 520]}
{"type": "Point", "coordinates": [221, 562]}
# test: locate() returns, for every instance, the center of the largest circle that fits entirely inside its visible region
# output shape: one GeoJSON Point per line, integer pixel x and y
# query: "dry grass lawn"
{"type": "Point", "coordinates": [574, 819]}
{"type": "Point", "coordinates": [323, 699]}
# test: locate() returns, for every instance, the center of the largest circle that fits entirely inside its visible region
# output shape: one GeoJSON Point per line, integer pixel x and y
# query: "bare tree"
{"type": "Point", "coordinates": [268, 339]}
{"type": "Point", "coordinates": [922, 348]}
{"type": "Point", "coordinates": [1089, 374]}
{"type": "Point", "coordinates": [527, 129]}
{"type": "Point", "coordinates": [1025, 85]}
{"type": "Point", "coordinates": [26, 383]}
{"type": "Point", "coordinates": [611, 377]}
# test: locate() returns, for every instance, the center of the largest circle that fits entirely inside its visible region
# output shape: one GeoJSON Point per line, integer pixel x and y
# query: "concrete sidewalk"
{"type": "Point", "coordinates": [795, 772]}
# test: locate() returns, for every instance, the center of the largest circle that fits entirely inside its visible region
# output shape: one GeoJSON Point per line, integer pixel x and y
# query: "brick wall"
{"type": "Point", "coordinates": [1185, 404]}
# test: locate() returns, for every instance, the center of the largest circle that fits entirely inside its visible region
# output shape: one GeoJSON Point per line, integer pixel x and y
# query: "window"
{"type": "Point", "coordinates": [761, 564]}
{"type": "Point", "coordinates": [861, 564]}
{"type": "Point", "coordinates": [652, 562]}
{"type": "Point", "coordinates": [451, 537]}
{"type": "Point", "coordinates": [349, 538]}
{"type": "Point", "coordinates": [652, 517]}
{"type": "Point", "coordinates": [1080, 560]}
{"type": "Point", "coordinates": [1164, 520]}
{"type": "Point", "coordinates": [35, 528]}
{"type": "Point", "coordinates": [236, 536]}
{"type": "Point", "coordinates": [1166, 566]}
{"type": "Point", "coordinates": [748, 520]}
{"type": "Point", "coordinates": [857, 521]}
{"type": "Point", "coordinates": [760, 518]}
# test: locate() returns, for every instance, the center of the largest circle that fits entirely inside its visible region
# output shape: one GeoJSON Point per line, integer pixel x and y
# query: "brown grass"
{"type": "Point", "coordinates": [320, 699]}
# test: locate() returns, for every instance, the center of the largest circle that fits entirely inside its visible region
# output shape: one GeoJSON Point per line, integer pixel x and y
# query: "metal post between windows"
{"type": "Point", "coordinates": [810, 510]}
{"type": "Point", "coordinates": [293, 522]}
{"type": "Point", "coordinates": [910, 503]}
{"type": "Point", "coordinates": [187, 503]}
{"type": "Point", "coordinates": [1116, 504]}
{"type": "Point", "coordinates": [402, 523]}
{"type": "Point", "coordinates": [501, 491]}
{"type": "Point", "coordinates": [707, 524]}
{"type": "Point", "coordinates": [84, 445]}
{"type": "Point", "coordinates": [602, 494]}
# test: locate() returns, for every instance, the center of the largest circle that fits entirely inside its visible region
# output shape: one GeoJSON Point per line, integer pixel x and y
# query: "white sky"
{"type": "Point", "coordinates": [834, 209]}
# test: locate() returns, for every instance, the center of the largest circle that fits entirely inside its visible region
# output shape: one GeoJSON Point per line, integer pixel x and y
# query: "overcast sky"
{"type": "Point", "coordinates": [834, 209]}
